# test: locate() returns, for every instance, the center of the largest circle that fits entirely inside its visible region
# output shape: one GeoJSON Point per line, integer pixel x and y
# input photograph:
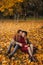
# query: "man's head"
{"type": "Point", "coordinates": [19, 32]}
{"type": "Point", "coordinates": [24, 34]}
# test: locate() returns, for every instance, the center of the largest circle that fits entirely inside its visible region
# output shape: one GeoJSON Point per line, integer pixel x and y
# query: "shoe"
{"type": "Point", "coordinates": [10, 56]}
{"type": "Point", "coordinates": [6, 54]}
{"type": "Point", "coordinates": [33, 59]}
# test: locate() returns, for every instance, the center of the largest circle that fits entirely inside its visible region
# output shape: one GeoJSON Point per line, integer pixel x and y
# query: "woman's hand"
{"type": "Point", "coordinates": [19, 44]}
{"type": "Point", "coordinates": [26, 45]}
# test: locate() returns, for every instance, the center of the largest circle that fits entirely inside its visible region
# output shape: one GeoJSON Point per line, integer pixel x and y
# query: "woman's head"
{"type": "Point", "coordinates": [24, 33]}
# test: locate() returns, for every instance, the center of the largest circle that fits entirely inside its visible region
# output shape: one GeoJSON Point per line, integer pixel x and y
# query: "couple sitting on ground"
{"type": "Point", "coordinates": [20, 41]}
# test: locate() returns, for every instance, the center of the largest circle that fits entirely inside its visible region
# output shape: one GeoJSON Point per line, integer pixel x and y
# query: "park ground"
{"type": "Point", "coordinates": [8, 28]}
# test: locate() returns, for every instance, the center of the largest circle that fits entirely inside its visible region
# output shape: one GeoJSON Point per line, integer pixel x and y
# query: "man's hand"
{"type": "Point", "coordinates": [28, 45]}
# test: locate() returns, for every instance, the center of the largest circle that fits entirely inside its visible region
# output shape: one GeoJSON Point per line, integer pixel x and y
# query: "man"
{"type": "Point", "coordinates": [14, 43]}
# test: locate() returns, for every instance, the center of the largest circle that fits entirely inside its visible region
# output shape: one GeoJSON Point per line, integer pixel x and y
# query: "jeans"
{"type": "Point", "coordinates": [16, 46]}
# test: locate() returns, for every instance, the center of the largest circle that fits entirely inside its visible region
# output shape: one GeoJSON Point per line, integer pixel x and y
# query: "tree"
{"type": "Point", "coordinates": [6, 6]}
{"type": "Point", "coordinates": [22, 8]}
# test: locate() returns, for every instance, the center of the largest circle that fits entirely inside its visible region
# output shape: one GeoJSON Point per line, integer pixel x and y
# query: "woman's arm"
{"type": "Point", "coordinates": [19, 44]}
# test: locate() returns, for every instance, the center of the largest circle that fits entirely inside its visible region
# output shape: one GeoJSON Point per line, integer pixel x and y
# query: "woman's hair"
{"type": "Point", "coordinates": [25, 32]}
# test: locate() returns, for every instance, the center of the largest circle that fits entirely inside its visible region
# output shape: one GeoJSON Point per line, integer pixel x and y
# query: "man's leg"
{"type": "Point", "coordinates": [9, 48]}
{"type": "Point", "coordinates": [15, 49]}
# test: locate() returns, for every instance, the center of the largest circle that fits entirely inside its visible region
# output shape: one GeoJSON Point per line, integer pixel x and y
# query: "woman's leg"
{"type": "Point", "coordinates": [29, 51]}
{"type": "Point", "coordinates": [31, 47]}
{"type": "Point", "coordinates": [31, 56]}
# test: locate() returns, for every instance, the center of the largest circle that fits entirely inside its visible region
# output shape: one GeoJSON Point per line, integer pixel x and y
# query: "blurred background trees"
{"type": "Point", "coordinates": [21, 8]}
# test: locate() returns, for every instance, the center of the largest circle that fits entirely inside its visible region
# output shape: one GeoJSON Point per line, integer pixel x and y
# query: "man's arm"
{"type": "Point", "coordinates": [15, 42]}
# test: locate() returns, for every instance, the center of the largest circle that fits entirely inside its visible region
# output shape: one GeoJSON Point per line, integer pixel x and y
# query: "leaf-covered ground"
{"type": "Point", "coordinates": [8, 29]}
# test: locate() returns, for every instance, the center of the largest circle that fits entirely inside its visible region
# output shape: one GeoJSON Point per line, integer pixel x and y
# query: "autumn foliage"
{"type": "Point", "coordinates": [21, 7]}
{"type": "Point", "coordinates": [35, 35]}
{"type": "Point", "coordinates": [7, 6]}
